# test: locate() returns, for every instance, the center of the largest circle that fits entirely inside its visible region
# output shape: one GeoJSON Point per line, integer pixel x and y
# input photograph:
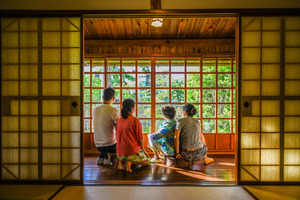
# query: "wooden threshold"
{"type": "Point", "coordinates": [160, 183]}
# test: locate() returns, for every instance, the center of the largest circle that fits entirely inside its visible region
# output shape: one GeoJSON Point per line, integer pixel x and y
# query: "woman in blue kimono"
{"type": "Point", "coordinates": [163, 140]}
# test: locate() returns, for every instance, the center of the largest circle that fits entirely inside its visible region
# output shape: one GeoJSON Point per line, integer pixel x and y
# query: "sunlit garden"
{"type": "Point", "coordinates": [207, 83]}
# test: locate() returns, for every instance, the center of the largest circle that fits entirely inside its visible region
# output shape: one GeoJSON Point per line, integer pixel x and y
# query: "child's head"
{"type": "Point", "coordinates": [127, 107]}
{"type": "Point", "coordinates": [168, 111]}
{"type": "Point", "coordinates": [109, 94]}
{"type": "Point", "coordinates": [189, 110]}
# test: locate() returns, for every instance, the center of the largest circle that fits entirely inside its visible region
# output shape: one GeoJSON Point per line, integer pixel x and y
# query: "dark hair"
{"type": "Point", "coordinates": [190, 109]}
{"type": "Point", "coordinates": [127, 107]}
{"type": "Point", "coordinates": [168, 111]}
{"type": "Point", "coordinates": [108, 94]}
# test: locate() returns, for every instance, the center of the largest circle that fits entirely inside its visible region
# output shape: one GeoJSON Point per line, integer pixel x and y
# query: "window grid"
{"type": "Point", "coordinates": [167, 86]}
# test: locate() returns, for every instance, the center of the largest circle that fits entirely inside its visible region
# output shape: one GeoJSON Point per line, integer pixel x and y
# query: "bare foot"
{"type": "Point", "coordinates": [120, 165]}
{"type": "Point", "coordinates": [208, 161]}
{"type": "Point", "coordinates": [128, 166]}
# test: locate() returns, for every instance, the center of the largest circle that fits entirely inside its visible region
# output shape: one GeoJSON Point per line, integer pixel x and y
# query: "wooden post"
{"type": "Point", "coordinates": [155, 4]}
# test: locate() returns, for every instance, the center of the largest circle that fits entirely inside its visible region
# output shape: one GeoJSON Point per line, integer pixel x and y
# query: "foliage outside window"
{"type": "Point", "coordinates": [208, 83]}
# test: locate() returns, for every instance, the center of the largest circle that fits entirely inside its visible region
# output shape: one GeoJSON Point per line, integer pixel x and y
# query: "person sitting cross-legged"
{"type": "Point", "coordinates": [105, 118]}
{"type": "Point", "coordinates": [163, 140]}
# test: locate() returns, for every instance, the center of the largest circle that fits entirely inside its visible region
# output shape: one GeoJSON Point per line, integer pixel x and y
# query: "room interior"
{"type": "Point", "coordinates": [195, 57]}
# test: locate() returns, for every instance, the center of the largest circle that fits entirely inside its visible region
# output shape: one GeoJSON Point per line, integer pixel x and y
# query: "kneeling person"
{"type": "Point", "coordinates": [130, 144]}
{"type": "Point", "coordinates": [105, 118]}
{"type": "Point", "coordinates": [188, 134]}
{"type": "Point", "coordinates": [163, 140]}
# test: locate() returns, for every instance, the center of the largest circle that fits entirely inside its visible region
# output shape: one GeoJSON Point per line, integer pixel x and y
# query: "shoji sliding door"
{"type": "Point", "coordinates": [41, 120]}
{"type": "Point", "coordinates": [269, 119]}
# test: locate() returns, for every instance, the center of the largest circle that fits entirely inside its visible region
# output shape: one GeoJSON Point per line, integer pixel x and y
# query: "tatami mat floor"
{"type": "Point", "coordinates": [58, 192]}
{"type": "Point", "coordinates": [275, 192]}
{"type": "Point", "coordinates": [151, 193]}
{"type": "Point", "coordinates": [22, 192]}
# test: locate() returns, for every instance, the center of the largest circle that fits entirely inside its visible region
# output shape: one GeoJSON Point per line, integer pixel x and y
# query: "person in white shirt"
{"type": "Point", "coordinates": [105, 118]}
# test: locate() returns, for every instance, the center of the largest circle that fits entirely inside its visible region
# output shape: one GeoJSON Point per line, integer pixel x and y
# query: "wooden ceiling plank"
{"type": "Point", "coordinates": [106, 29]}
{"type": "Point", "coordinates": [184, 27]}
{"type": "Point", "coordinates": [143, 24]}
{"type": "Point", "coordinates": [193, 23]}
{"type": "Point", "coordinates": [231, 32]}
{"type": "Point", "coordinates": [204, 27]}
{"type": "Point", "coordinates": [129, 30]}
{"type": "Point", "coordinates": [86, 32]}
{"type": "Point", "coordinates": [212, 27]}
{"type": "Point", "coordinates": [197, 28]}
{"type": "Point", "coordinates": [111, 28]}
{"type": "Point", "coordinates": [156, 32]}
{"type": "Point", "coordinates": [149, 31]}
{"type": "Point", "coordinates": [116, 27]}
{"type": "Point", "coordinates": [113, 32]}
{"type": "Point", "coordinates": [166, 29]}
{"type": "Point", "coordinates": [134, 34]}
{"type": "Point", "coordinates": [220, 27]}
{"type": "Point", "coordinates": [227, 27]}
{"type": "Point", "coordinates": [174, 28]}
{"type": "Point", "coordinates": [98, 27]}
{"type": "Point", "coordinates": [93, 29]}
{"type": "Point", "coordinates": [121, 28]}
{"type": "Point", "coordinates": [179, 28]}
{"type": "Point", "coordinates": [137, 28]}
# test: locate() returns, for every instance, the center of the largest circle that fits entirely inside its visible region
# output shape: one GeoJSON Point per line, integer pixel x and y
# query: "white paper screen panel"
{"type": "Point", "coordinates": [9, 56]}
{"type": "Point", "coordinates": [29, 39]}
{"type": "Point", "coordinates": [29, 72]}
{"type": "Point", "coordinates": [41, 77]}
{"type": "Point", "coordinates": [51, 72]}
{"type": "Point", "coordinates": [10, 40]}
{"type": "Point", "coordinates": [10, 72]}
{"type": "Point", "coordinates": [270, 71]}
{"type": "Point", "coordinates": [270, 130]}
{"type": "Point", "coordinates": [292, 107]}
{"type": "Point", "coordinates": [292, 71]}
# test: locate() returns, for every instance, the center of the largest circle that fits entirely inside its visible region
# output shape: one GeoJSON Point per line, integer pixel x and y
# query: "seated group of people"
{"type": "Point", "coordinates": [182, 138]}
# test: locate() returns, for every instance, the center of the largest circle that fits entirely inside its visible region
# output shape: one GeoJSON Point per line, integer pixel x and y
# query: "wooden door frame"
{"type": "Point", "coordinates": [193, 15]}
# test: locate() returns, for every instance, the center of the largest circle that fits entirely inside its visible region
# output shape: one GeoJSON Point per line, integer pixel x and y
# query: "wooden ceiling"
{"type": "Point", "coordinates": [140, 28]}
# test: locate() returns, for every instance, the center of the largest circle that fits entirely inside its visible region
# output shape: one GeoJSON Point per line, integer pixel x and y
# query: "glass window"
{"type": "Point", "coordinates": [209, 84]}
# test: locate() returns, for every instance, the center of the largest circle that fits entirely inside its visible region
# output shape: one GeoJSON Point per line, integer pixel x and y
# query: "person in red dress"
{"type": "Point", "coordinates": [130, 144]}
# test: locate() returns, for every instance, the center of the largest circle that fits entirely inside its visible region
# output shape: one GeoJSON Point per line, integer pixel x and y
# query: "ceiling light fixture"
{"type": "Point", "coordinates": [157, 22]}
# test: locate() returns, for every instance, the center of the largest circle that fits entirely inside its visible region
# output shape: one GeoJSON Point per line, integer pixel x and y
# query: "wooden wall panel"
{"type": "Point", "coordinates": [184, 47]}
{"type": "Point", "coordinates": [223, 142]}
{"type": "Point", "coordinates": [233, 142]}
{"type": "Point", "coordinates": [210, 141]}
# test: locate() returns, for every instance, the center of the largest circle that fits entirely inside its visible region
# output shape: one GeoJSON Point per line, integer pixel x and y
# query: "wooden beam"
{"type": "Point", "coordinates": [160, 42]}
{"type": "Point", "coordinates": [203, 55]}
{"type": "Point", "coordinates": [155, 4]}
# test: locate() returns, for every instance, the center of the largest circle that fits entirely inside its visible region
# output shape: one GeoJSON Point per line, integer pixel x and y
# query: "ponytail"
{"type": "Point", "coordinates": [127, 108]}
{"type": "Point", "coordinates": [190, 109]}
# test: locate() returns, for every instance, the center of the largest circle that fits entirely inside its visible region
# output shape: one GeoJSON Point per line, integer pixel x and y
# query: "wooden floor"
{"type": "Point", "coordinates": [221, 172]}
